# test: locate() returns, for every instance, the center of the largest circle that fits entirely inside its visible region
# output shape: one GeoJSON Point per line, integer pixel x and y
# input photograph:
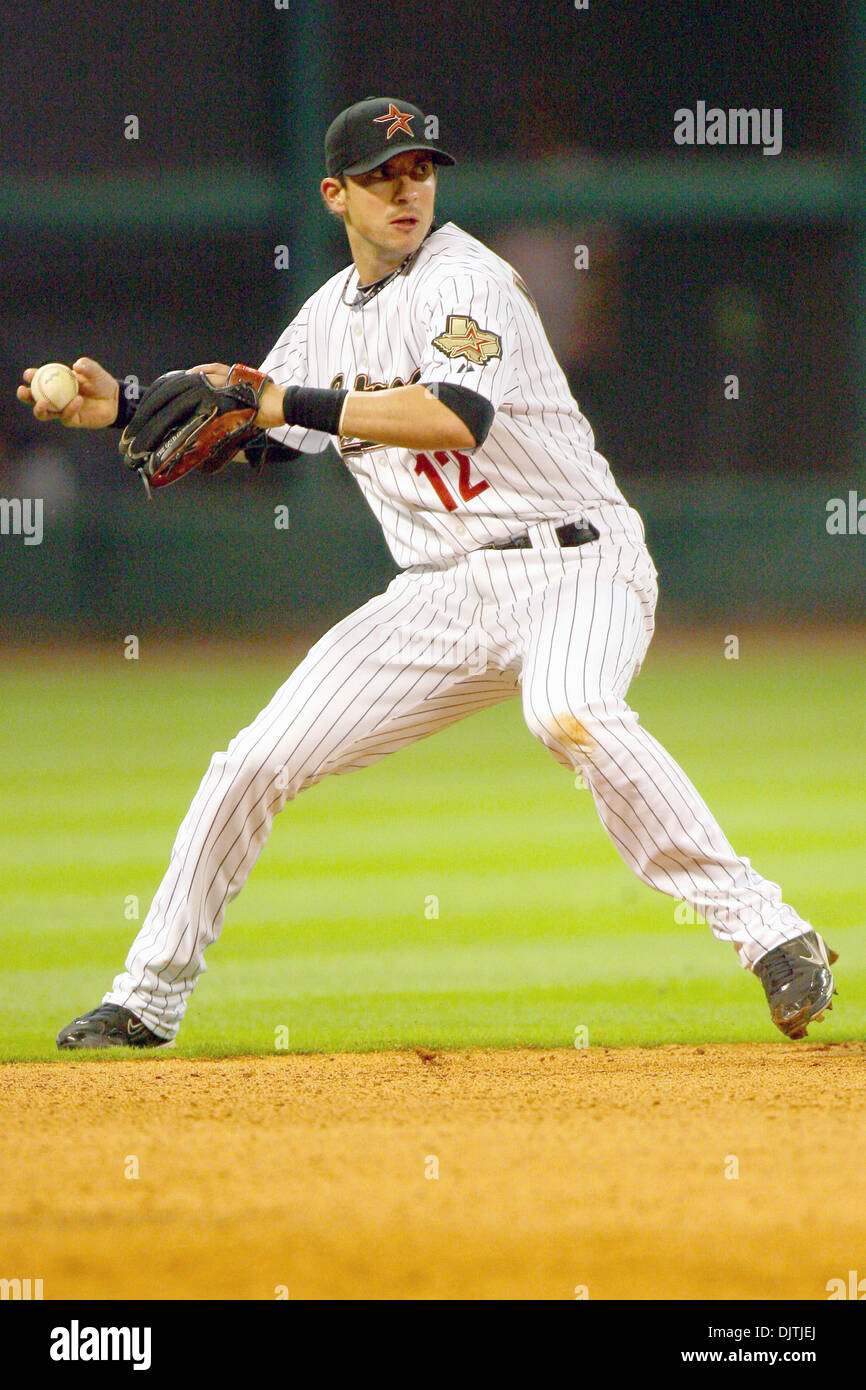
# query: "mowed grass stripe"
{"type": "Point", "coordinates": [536, 911]}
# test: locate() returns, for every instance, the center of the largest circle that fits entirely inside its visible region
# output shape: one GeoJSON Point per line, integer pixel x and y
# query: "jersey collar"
{"type": "Point", "coordinates": [367, 292]}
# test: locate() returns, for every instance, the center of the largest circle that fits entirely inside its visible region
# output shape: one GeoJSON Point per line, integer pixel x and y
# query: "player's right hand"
{"type": "Point", "coordinates": [93, 408]}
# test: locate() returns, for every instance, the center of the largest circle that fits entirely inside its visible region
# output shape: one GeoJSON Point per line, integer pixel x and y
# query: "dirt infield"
{"type": "Point", "coordinates": [611, 1170]}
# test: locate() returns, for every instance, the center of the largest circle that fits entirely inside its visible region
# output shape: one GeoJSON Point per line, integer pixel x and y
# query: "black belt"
{"type": "Point", "coordinates": [572, 533]}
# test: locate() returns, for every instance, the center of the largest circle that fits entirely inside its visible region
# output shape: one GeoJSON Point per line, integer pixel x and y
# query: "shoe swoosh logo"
{"type": "Point", "coordinates": [133, 1028]}
{"type": "Point", "coordinates": [816, 956]}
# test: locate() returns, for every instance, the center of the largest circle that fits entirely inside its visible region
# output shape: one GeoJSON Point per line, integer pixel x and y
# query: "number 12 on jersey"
{"type": "Point", "coordinates": [467, 489]}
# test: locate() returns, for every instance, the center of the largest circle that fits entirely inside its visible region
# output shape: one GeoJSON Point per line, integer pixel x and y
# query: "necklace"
{"type": "Point", "coordinates": [368, 292]}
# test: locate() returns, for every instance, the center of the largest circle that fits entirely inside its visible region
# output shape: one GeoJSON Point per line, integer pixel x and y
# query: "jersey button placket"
{"type": "Point", "coordinates": [360, 346]}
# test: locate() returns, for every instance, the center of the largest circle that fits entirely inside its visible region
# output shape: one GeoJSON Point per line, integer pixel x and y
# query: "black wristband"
{"type": "Point", "coordinates": [125, 408]}
{"type": "Point", "coordinates": [313, 408]}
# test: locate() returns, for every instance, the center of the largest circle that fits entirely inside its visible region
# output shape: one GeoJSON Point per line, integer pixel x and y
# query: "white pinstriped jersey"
{"type": "Point", "coordinates": [463, 627]}
{"type": "Point", "coordinates": [462, 315]}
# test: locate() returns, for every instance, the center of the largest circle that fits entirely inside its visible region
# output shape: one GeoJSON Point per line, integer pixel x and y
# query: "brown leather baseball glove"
{"type": "Point", "coordinates": [182, 423]}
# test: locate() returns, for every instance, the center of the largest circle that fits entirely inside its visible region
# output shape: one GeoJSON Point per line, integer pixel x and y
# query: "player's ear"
{"type": "Point", "coordinates": [334, 196]}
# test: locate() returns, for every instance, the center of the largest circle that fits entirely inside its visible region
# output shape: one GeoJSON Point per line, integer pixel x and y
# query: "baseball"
{"type": "Point", "coordinates": [54, 384]}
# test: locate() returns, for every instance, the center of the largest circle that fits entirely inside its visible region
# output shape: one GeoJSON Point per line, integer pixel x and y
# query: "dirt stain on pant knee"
{"type": "Point", "coordinates": [574, 732]}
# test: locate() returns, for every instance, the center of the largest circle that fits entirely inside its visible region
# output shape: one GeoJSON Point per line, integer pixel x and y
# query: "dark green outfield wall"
{"type": "Point", "coordinates": [207, 557]}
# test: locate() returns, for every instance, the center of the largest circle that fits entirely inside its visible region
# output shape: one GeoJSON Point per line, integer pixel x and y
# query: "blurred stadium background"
{"type": "Point", "coordinates": [159, 251]}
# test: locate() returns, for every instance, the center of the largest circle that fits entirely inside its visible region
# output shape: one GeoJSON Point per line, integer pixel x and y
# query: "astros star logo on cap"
{"type": "Point", "coordinates": [400, 120]}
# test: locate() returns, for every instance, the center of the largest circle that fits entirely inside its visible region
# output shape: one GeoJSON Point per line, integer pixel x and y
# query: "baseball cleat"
{"type": "Point", "coordinates": [798, 982]}
{"type": "Point", "coordinates": [108, 1026]}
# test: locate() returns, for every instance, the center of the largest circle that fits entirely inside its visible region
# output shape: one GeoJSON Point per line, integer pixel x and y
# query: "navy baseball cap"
{"type": "Point", "coordinates": [372, 132]}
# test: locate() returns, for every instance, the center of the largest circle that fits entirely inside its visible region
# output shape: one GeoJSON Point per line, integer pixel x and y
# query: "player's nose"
{"type": "Point", "coordinates": [405, 187]}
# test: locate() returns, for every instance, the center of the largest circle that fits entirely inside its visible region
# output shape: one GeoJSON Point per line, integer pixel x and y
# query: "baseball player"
{"type": "Point", "coordinates": [525, 573]}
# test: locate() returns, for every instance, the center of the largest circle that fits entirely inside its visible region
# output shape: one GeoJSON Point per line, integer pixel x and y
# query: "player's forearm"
{"type": "Point", "coordinates": [407, 416]}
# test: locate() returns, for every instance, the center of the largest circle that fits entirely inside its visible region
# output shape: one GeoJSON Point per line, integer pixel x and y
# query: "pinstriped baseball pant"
{"type": "Point", "coordinates": [567, 629]}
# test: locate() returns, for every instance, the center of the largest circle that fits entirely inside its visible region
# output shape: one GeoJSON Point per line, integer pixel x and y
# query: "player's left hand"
{"type": "Point", "coordinates": [196, 419]}
{"type": "Point", "coordinates": [216, 372]}
{"type": "Point", "coordinates": [270, 402]}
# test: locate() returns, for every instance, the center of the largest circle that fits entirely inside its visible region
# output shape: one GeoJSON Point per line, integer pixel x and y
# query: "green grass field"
{"type": "Point", "coordinates": [540, 929]}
